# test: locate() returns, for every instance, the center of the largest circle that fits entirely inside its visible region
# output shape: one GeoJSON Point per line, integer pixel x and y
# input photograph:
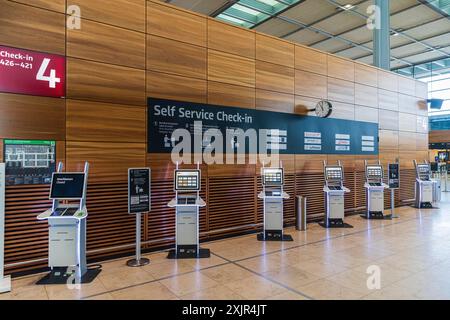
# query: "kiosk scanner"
{"type": "Point", "coordinates": [67, 229]}
{"type": "Point", "coordinates": [187, 202]}
{"type": "Point", "coordinates": [423, 186]}
{"type": "Point", "coordinates": [375, 191]}
{"type": "Point", "coordinates": [273, 196]}
{"type": "Point", "coordinates": [334, 192]}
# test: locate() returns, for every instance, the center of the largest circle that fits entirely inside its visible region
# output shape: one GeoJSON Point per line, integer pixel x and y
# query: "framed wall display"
{"type": "Point", "coordinates": [29, 161]}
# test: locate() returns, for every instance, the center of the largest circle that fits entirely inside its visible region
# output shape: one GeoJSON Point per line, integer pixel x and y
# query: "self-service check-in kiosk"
{"type": "Point", "coordinates": [375, 187]}
{"type": "Point", "coordinates": [187, 203]}
{"type": "Point", "coordinates": [67, 229]}
{"type": "Point", "coordinates": [273, 197]}
{"type": "Point", "coordinates": [423, 186]}
{"type": "Point", "coordinates": [334, 192]}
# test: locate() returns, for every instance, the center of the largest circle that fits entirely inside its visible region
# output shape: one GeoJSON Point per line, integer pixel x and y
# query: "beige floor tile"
{"type": "Point", "coordinates": [214, 293]}
{"type": "Point", "coordinates": [320, 268]}
{"type": "Point", "coordinates": [104, 296]}
{"type": "Point", "coordinates": [288, 295]}
{"type": "Point", "coordinates": [25, 289]}
{"type": "Point", "coordinates": [325, 289]}
{"type": "Point", "coordinates": [226, 273]}
{"type": "Point", "coordinates": [206, 263]}
{"type": "Point", "coordinates": [149, 291]}
{"type": "Point", "coordinates": [170, 267]}
{"type": "Point", "coordinates": [63, 292]}
{"type": "Point", "coordinates": [125, 278]}
{"type": "Point", "coordinates": [291, 277]}
{"type": "Point", "coordinates": [188, 283]}
{"type": "Point", "coordinates": [255, 288]}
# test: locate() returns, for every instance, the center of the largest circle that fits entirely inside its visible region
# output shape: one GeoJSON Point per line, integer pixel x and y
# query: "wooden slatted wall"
{"type": "Point", "coordinates": [137, 49]}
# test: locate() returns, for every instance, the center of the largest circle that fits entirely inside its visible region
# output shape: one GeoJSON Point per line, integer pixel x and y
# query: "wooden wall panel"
{"type": "Point", "coordinates": [160, 85]}
{"type": "Point", "coordinates": [27, 117]}
{"type": "Point", "coordinates": [304, 104]}
{"type": "Point", "coordinates": [231, 69]}
{"type": "Point", "coordinates": [310, 84]}
{"type": "Point", "coordinates": [341, 68]}
{"type": "Point", "coordinates": [19, 25]}
{"type": "Point", "coordinates": [407, 104]}
{"type": "Point", "coordinates": [54, 5]}
{"type": "Point", "coordinates": [174, 57]}
{"type": "Point", "coordinates": [128, 14]}
{"type": "Point", "coordinates": [172, 23]}
{"type": "Point", "coordinates": [389, 140]}
{"type": "Point", "coordinates": [407, 122]}
{"type": "Point", "coordinates": [422, 142]}
{"type": "Point", "coordinates": [388, 100]}
{"type": "Point", "coordinates": [94, 81]}
{"type": "Point", "coordinates": [105, 43]}
{"type": "Point", "coordinates": [310, 60]}
{"type": "Point", "coordinates": [227, 38]}
{"type": "Point", "coordinates": [341, 90]}
{"type": "Point", "coordinates": [343, 111]}
{"type": "Point", "coordinates": [437, 136]}
{"type": "Point", "coordinates": [387, 81]}
{"type": "Point", "coordinates": [406, 86]}
{"type": "Point", "coordinates": [388, 120]}
{"type": "Point", "coordinates": [407, 141]}
{"type": "Point", "coordinates": [366, 75]}
{"type": "Point", "coordinates": [275, 101]}
{"type": "Point", "coordinates": [421, 90]}
{"type": "Point", "coordinates": [366, 114]}
{"type": "Point", "coordinates": [109, 162]}
{"type": "Point", "coordinates": [93, 121]}
{"type": "Point", "coordinates": [274, 50]}
{"type": "Point", "coordinates": [366, 95]}
{"type": "Point", "coordinates": [231, 95]}
{"type": "Point", "coordinates": [274, 77]}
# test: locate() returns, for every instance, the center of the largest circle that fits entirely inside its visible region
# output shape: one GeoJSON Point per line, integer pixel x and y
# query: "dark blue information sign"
{"type": "Point", "coordinates": [287, 133]}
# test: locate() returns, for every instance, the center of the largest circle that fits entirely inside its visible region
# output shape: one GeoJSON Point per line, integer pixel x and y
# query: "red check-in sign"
{"type": "Point", "coordinates": [31, 72]}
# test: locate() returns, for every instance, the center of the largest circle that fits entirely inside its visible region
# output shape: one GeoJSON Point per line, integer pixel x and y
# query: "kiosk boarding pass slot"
{"type": "Point", "coordinates": [423, 186]}
{"type": "Point", "coordinates": [374, 187]}
{"type": "Point", "coordinates": [67, 228]}
{"type": "Point", "coordinates": [273, 196]}
{"type": "Point", "coordinates": [5, 282]}
{"type": "Point", "coordinates": [334, 191]}
{"type": "Point", "coordinates": [187, 202]}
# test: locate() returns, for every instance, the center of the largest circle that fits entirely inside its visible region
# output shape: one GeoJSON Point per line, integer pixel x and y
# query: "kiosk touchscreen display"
{"type": "Point", "coordinates": [374, 172]}
{"type": "Point", "coordinates": [67, 186]}
{"type": "Point", "coordinates": [333, 173]}
{"type": "Point", "coordinates": [272, 177]}
{"type": "Point", "coordinates": [187, 180]}
{"type": "Point", "coordinates": [424, 171]}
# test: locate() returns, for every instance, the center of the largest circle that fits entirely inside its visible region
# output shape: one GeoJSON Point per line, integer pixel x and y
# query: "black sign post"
{"type": "Point", "coordinates": [139, 200]}
{"type": "Point", "coordinates": [394, 183]}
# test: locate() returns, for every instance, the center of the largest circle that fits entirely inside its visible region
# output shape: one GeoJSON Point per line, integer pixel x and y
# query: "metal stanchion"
{"type": "Point", "coordinates": [138, 261]}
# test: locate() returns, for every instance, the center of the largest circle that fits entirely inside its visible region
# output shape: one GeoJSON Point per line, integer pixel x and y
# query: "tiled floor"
{"type": "Point", "coordinates": [411, 252]}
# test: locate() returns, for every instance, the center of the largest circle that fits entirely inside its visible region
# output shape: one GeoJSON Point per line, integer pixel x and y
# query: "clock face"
{"type": "Point", "coordinates": [323, 109]}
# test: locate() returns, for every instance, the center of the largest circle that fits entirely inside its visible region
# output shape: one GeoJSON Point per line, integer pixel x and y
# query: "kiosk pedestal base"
{"type": "Point", "coordinates": [5, 284]}
{"type": "Point", "coordinates": [201, 254]}
{"type": "Point", "coordinates": [335, 223]}
{"type": "Point", "coordinates": [138, 263]}
{"type": "Point", "coordinates": [424, 205]}
{"type": "Point", "coordinates": [60, 276]}
{"type": "Point", "coordinates": [273, 236]}
{"type": "Point", "coordinates": [376, 216]}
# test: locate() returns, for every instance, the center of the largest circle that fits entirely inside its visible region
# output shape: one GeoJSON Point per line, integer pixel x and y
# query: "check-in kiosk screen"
{"type": "Point", "coordinates": [424, 171]}
{"type": "Point", "coordinates": [374, 172]}
{"type": "Point", "coordinates": [272, 177]}
{"type": "Point", "coordinates": [187, 180]}
{"type": "Point", "coordinates": [333, 173]}
{"type": "Point", "coordinates": [67, 186]}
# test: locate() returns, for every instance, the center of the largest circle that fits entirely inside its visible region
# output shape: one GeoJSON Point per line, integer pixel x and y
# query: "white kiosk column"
{"type": "Point", "coordinates": [5, 282]}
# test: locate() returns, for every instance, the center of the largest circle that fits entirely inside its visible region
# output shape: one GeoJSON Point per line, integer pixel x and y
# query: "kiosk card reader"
{"type": "Point", "coordinates": [187, 202]}
{"type": "Point", "coordinates": [273, 196]}
{"type": "Point", "coordinates": [67, 229]}
{"type": "Point", "coordinates": [423, 186]}
{"type": "Point", "coordinates": [374, 191]}
{"type": "Point", "coordinates": [334, 191]}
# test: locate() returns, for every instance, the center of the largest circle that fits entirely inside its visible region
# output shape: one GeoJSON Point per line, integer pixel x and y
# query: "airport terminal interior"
{"type": "Point", "coordinates": [225, 150]}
